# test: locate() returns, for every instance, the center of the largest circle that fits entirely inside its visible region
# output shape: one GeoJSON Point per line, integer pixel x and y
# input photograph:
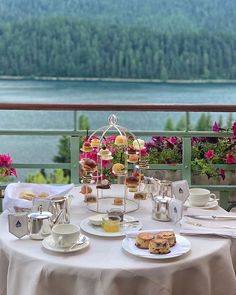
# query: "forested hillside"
{"type": "Point", "coordinates": [163, 15]}
{"type": "Point", "coordinates": [156, 39]}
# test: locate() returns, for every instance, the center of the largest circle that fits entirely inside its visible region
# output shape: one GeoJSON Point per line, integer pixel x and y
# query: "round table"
{"type": "Point", "coordinates": [105, 268]}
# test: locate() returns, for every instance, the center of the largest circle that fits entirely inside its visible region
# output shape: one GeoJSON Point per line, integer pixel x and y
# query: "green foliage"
{"type": "Point", "coordinates": [204, 122]}
{"type": "Point", "coordinates": [74, 47]}
{"type": "Point", "coordinates": [56, 177]}
{"type": "Point", "coordinates": [63, 155]}
{"type": "Point", "coordinates": [169, 125]}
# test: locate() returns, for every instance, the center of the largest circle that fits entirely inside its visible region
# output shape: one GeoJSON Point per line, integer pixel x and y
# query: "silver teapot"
{"type": "Point", "coordinates": [36, 224]}
{"type": "Point", "coordinates": [161, 208]}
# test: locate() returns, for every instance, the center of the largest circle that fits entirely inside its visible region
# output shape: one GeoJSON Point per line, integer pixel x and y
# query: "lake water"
{"type": "Point", "coordinates": [25, 149]}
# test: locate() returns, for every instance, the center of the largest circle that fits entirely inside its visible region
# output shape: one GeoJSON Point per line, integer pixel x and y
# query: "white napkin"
{"type": "Point", "coordinates": [12, 192]}
{"type": "Point", "coordinates": [194, 226]}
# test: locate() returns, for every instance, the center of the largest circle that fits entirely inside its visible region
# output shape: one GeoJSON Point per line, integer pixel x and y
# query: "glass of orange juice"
{"type": "Point", "coordinates": [111, 224]}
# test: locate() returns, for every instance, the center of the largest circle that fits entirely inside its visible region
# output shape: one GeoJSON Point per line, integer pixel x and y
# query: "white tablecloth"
{"type": "Point", "coordinates": [26, 268]}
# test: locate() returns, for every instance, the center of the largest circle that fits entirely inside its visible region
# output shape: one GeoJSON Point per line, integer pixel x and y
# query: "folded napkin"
{"type": "Point", "coordinates": [196, 225]}
{"type": "Point", "coordinates": [13, 190]}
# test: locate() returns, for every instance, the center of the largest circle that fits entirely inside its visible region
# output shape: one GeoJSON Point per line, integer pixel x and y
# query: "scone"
{"type": "Point", "coordinates": [43, 195]}
{"type": "Point", "coordinates": [159, 246]}
{"type": "Point", "coordinates": [27, 195]}
{"type": "Point", "coordinates": [86, 189]}
{"type": "Point", "coordinates": [143, 239]}
{"type": "Point", "coordinates": [169, 236]}
{"type": "Point", "coordinates": [118, 201]}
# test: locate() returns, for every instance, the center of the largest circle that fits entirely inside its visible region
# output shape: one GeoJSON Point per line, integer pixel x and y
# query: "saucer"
{"type": "Point", "coordinates": [49, 244]}
{"type": "Point", "coordinates": [209, 205]}
{"type": "Point", "coordinates": [96, 230]}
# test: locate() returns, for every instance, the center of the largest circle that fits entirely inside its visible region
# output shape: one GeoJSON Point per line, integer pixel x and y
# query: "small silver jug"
{"type": "Point", "coordinates": [164, 188]}
{"type": "Point", "coordinates": [61, 204]}
{"type": "Point", "coordinates": [160, 208]}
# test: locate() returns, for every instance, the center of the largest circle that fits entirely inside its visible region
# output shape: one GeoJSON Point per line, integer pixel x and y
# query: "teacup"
{"type": "Point", "coordinates": [200, 197]}
{"type": "Point", "coordinates": [111, 223]}
{"type": "Point", "coordinates": [65, 235]}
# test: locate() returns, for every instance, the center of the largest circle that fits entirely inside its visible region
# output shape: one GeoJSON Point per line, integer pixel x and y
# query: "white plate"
{"type": "Point", "coordinates": [181, 247]}
{"type": "Point", "coordinates": [209, 205]}
{"type": "Point", "coordinates": [99, 231]}
{"type": "Point", "coordinates": [49, 244]}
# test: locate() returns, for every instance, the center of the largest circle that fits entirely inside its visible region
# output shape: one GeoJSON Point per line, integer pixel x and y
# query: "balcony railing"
{"type": "Point", "coordinates": [75, 136]}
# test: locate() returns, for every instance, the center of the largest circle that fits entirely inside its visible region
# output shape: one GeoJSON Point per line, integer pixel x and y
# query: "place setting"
{"type": "Point", "coordinates": [112, 224]}
{"type": "Point", "coordinates": [201, 198]}
{"type": "Point", "coordinates": [65, 238]}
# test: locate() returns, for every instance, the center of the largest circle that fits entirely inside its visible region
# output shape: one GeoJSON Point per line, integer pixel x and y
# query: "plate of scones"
{"type": "Point", "coordinates": [156, 245]}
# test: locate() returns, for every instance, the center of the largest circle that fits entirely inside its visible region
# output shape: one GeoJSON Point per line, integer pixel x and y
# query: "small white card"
{"type": "Point", "coordinates": [175, 210]}
{"type": "Point", "coordinates": [180, 190]}
{"type": "Point", "coordinates": [18, 224]}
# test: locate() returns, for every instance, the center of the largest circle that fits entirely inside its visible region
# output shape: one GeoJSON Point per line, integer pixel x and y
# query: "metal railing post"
{"type": "Point", "coordinates": [74, 144]}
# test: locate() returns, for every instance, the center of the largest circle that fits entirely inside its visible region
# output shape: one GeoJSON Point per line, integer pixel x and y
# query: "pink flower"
{"type": "Point", "coordinates": [230, 159]}
{"type": "Point", "coordinates": [6, 170]}
{"type": "Point", "coordinates": [216, 127]}
{"type": "Point", "coordinates": [233, 128]}
{"type": "Point", "coordinates": [209, 154]}
{"type": "Point", "coordinates": [222, 174]}
{"type": "Point", "coordinates": [172, 140]}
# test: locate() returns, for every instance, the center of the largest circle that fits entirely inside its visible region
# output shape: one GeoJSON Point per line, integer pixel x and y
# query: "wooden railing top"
{"type": "Point", "coordinates": [121, 107]}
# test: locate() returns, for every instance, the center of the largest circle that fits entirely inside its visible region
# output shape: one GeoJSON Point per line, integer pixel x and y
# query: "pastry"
{"type": "Point", "coordinates": [131, 150]}
{"type": "Point", "coordinates": [140, 196]}
{"type": "Point", "coordinates": [43, 195]}
{"type": "Point", "coordinates": [138, 144]}
{"type": "Point", "coordinates": [104, 184]}
{"type": "Point", "coordinates": [87, 147]}
{"type": "Point", "coordinates": [120, 140]}
{"type": "Point", "coordinates": [27, 195]}
{"type": "Point", "coordinates": [131, 181]}
{"type": "Point", "coordinates": [105, 154]}
{"type": "Point", "coordinates": [90, 199]}
{"type": "Point", "coordinates": [95, 142]}
{"type": "Point", "coordinates": [143, 164]}
{"type": "Point", "coordinates": [169, 236]}
{"type": "Point", "coordinates": [118, 201]}
{"type": "Point", "coordinates": [86, 189]}
{"type": "Point", "coordinates": [87, 178]}
{"type": "Point", "coordinates": [133, 158]}
{"type": "Point", "coordinates": [159, 246]}
{"type": "Point", "coordinates": [143, 239]}
{"type": "Point", "coordinates": [118, 169]}
{"type": "Point", "coordinates": [89, 165]}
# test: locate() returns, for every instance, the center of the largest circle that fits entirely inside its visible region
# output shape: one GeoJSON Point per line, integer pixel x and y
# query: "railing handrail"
{"type": "Point", "coordinates": [120, 107]}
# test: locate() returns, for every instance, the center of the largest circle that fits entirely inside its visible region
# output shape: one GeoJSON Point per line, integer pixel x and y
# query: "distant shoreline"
{"type": "Point", "coordinates": [154, 81]}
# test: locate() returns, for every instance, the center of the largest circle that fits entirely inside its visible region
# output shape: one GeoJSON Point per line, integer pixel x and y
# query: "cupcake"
{"type": "Point", "coordinates": [131, 181]}
{"type": "Point", "coordinates": [105, 154]}
{"type": "Point", "coordinates": [86, 147]}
